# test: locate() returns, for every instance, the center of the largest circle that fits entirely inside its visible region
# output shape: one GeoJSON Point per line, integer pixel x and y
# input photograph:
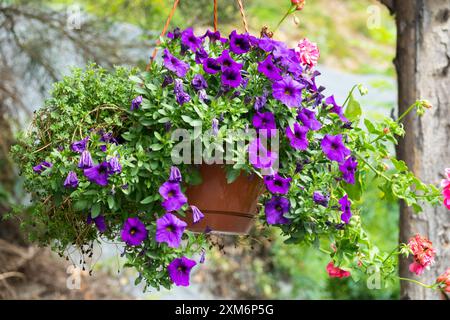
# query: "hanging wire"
{"type": "Point", "coordinates": [244, 20]}
{"type": "Point", "coordinates": [163, 33]}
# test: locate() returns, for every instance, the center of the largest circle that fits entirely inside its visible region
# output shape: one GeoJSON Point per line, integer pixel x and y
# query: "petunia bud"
{"type": "Point", "coordinates": [175, 174]}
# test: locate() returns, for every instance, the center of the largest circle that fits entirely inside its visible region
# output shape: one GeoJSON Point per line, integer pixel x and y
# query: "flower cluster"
{"type": "Point", "coordinates": [443, 281]}
{"type": "Point", "coordinates": [423, 253]}
{"type": "Point", "coordinates": [120, 182]}
{"type": "Point", "coordinates": [445, 184]}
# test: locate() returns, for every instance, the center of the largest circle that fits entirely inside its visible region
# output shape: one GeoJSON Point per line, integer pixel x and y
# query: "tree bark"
{"type": "Point", "coordinates": [423, 63]}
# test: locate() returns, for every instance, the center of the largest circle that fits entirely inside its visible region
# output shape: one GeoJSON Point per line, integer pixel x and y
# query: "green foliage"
{"type": "Point", "coordinates": [93, 102]}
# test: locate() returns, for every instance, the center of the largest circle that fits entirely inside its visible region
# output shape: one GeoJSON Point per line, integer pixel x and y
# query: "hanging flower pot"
{"type": "Point", "coordinates": [227, 207]}
{"type": "Point", "coordinates": [99, 158]}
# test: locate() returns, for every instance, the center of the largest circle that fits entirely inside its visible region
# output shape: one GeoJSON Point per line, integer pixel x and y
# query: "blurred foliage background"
{"type": "Point", "coordinates": [356, 36]}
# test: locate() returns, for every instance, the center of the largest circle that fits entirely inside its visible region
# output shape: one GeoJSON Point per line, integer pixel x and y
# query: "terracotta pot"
{"type": "Point", "coordinates": [228, 208]}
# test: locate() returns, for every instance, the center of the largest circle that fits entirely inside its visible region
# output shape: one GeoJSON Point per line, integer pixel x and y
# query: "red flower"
{"type": "Point", "coordinates": [423, 252]}
{"type": "Point", "coordinates": [335, 272]}
{"type": "Point", "coordinates": [444, 280]}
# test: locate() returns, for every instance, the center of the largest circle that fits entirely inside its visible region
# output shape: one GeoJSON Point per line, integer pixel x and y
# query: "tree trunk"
{"type": "Point", "coordinates": [423, 63]}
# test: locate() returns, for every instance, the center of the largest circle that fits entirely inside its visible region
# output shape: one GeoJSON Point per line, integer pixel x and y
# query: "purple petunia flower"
{"type": "Point", "coordinates": [199, 82]}
{"type": "Point", "coordinates": [275, 209]}
{"type": "Point", "coordinates": [181, 96]}
{"type": "Point", "coordinates": [133, 232]}
{"type": "Point", "coordinates": [333, 147]}
{"type": "Point", "coordinates": [348, 169]}
{"type": "Point", "coordinates": [226, 61]}
{"type": "Point", "coordinates": [268, 44]}
{"type": "Point", "coordinates": [169, 229]}
{"type": "Point", "coordinates": [71, 180]}
{"type": "Point", "coordinates": [175, 174]}
{"type": "Point", "coordinates": [345, 208]}
{"type": "Point", "coordinates": [298, 137]}
{"type": "Point", "coordinates": [114, 165]}
{"type": "Point", "coordinates": [264, 121]}
{"type": "Point", "coordinates": [197, 215]}
{"type": "Point", "coordinates": [215, 127]}
{"type": "Point", "coordinates": [214, 36]}
{"type": "Point", "coordinates": [179, 270]}
{"type": "Point", "coordinates": [175, 34]}
{"type": "Point", "coordinates": [135, 103]}
{"type": "Point", "coordinates": [288, 91]}
{"type": "Point", "coordinates": [188, 39]}
{"type": "Point", "coordinates": [320, 199]}
{"type": "Point", "coordinates": [336, 108]}
{"type": "Point", "coordinates": [174, 199]}
{"type": "Point", "coordinates": [308, 118]}
{"type": "Point", "coordinates": [166, 81]}
{"type": "Point", "coordinates": [259, 156]}
{"type": "Point", "coordinates": [200, 55]}
{"type": "Point", "coordinates": [261, 101]}
{"type": "Point", "coordinates": [99, 222]}
{"type": "Point", "coordinates": [98, 174]}
{"type": "Point", "coordinates": [79, 146]}
{"type": "Point", "coordinates": [269, 69]}
{"type": "Point", "coordinates": [180, 68]}
{"type": "Point", "coordinates": [231, 77]}
{"type": "Point", "coordinates": [211, 66]}
{"type": "Point", "coordinates": [85, 160]}
{"type": "Point", "coordinates": [41, 167]}
{"type": "Point", "coordinates": [239, 43]}
{"type": "Point", "coordinates": [277, 184]}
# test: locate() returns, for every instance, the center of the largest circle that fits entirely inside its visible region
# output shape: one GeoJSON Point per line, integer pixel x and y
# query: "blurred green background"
{"type": "Point", "coordinates": [356, 37]}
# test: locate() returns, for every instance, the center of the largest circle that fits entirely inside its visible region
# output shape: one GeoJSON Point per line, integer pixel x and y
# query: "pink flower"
{"type": "Point", "coordinates": [444, 280]}
{"type": "Point", "coordinates": [423, 253]}
{"type": "Point", "coordinates": [445, 183]}
{"type": "Point", "coordinates": [307, 52]}
{"type": "Point", "coordinates": [335, 272]}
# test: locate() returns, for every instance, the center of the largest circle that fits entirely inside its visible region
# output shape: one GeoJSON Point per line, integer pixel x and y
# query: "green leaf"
{"type": "Point", "coordinates": [111, 202]}
{"type": "Point", "coordinates": [147, 200]}
{"type": "Point", "coordinates": [95, 210]}
{"type": "Point", "coordinates": [353, 110]}
{"type": "Point", "coordinates": [232, 175]}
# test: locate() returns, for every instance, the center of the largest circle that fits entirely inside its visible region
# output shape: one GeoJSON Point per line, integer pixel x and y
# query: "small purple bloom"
{"type": "Point", "coordinates": [214, 36]}
{"type": "Point", "coordinates": [175, 174]}
{"type": "Point", "coordinates": [114, 165]}
{"type": "Point", "coordinates": [71, 180]}
{"type": "Point", "coordinates": [202, 96]}
{"type": "Point", "coordinates": [189, 39]}
{"type": "Point", "coordinates": [275, 209]}
{"type": "Point", "coordinates": [259, 156]}
{"type": "Point", "coordinates": [175, 34]}
{"type": "Point", "coordinates": [269, 69]}
{"type": "Point", "coordinates": [79, 146]}
{"type": "Point", "coordinates": [320, 199]}
{"type": "Point", "coordinates": [85, 160]}
{"type": "Point", "coordinates": [98, 174]}
{"type": "Point", "coordinates": [288, 91]}
{"type": "Point", "coordinates": [226, 61]}
{"type": "Point", "coordinates": [179, 271]}
{"type": "Point", "coordinates": [166, 81]}
{"type": "Point", "coordinates": [308, 118]}
{"type": "Point", "coordinates": [197, 215]}
{"type": "Point", "coordinates": [298, 137]}
{"type": "Point", "coordinates": [264, 121]}
{"type": "Point", "coordinates": [215, 127]}
{"type": "Point", "coordinates": [99, 222]}
{"type": "Point", "coordinates": [345, 208]}
{"type": "Point", "coordinates": [169, 229]}
{"type": "Point", "coordinates": [348, 169]}
{"type": "Point", "coordinates": [336, 108]}
{"type": "Point", "coordinates": [135, 103]}
{"type": "Point", "coordinates": [231, 77]}
{"type": "Point", "coordinates": [261, 101]}
{"type": "Point", "coordinates": [333, 147]}
{"type": "Point", "coordinates": [239, 43]}
{"type": "Point", "coordinates": [199, 82]}
{"type": "Point", "coordinates": [181, 96]}
{"type": "Point", "coordinates": [174, 199]}
{"type": "Point", "coordinates": [134, 232]}
{"type": "Point", "coordinates": [180, 68]}
{"type": "Point", "coordinates": [211, 66]}
{"type": "Point", "coordinates": [277, 184]}
{"type": "Point", "coordinates": [41, 167]}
